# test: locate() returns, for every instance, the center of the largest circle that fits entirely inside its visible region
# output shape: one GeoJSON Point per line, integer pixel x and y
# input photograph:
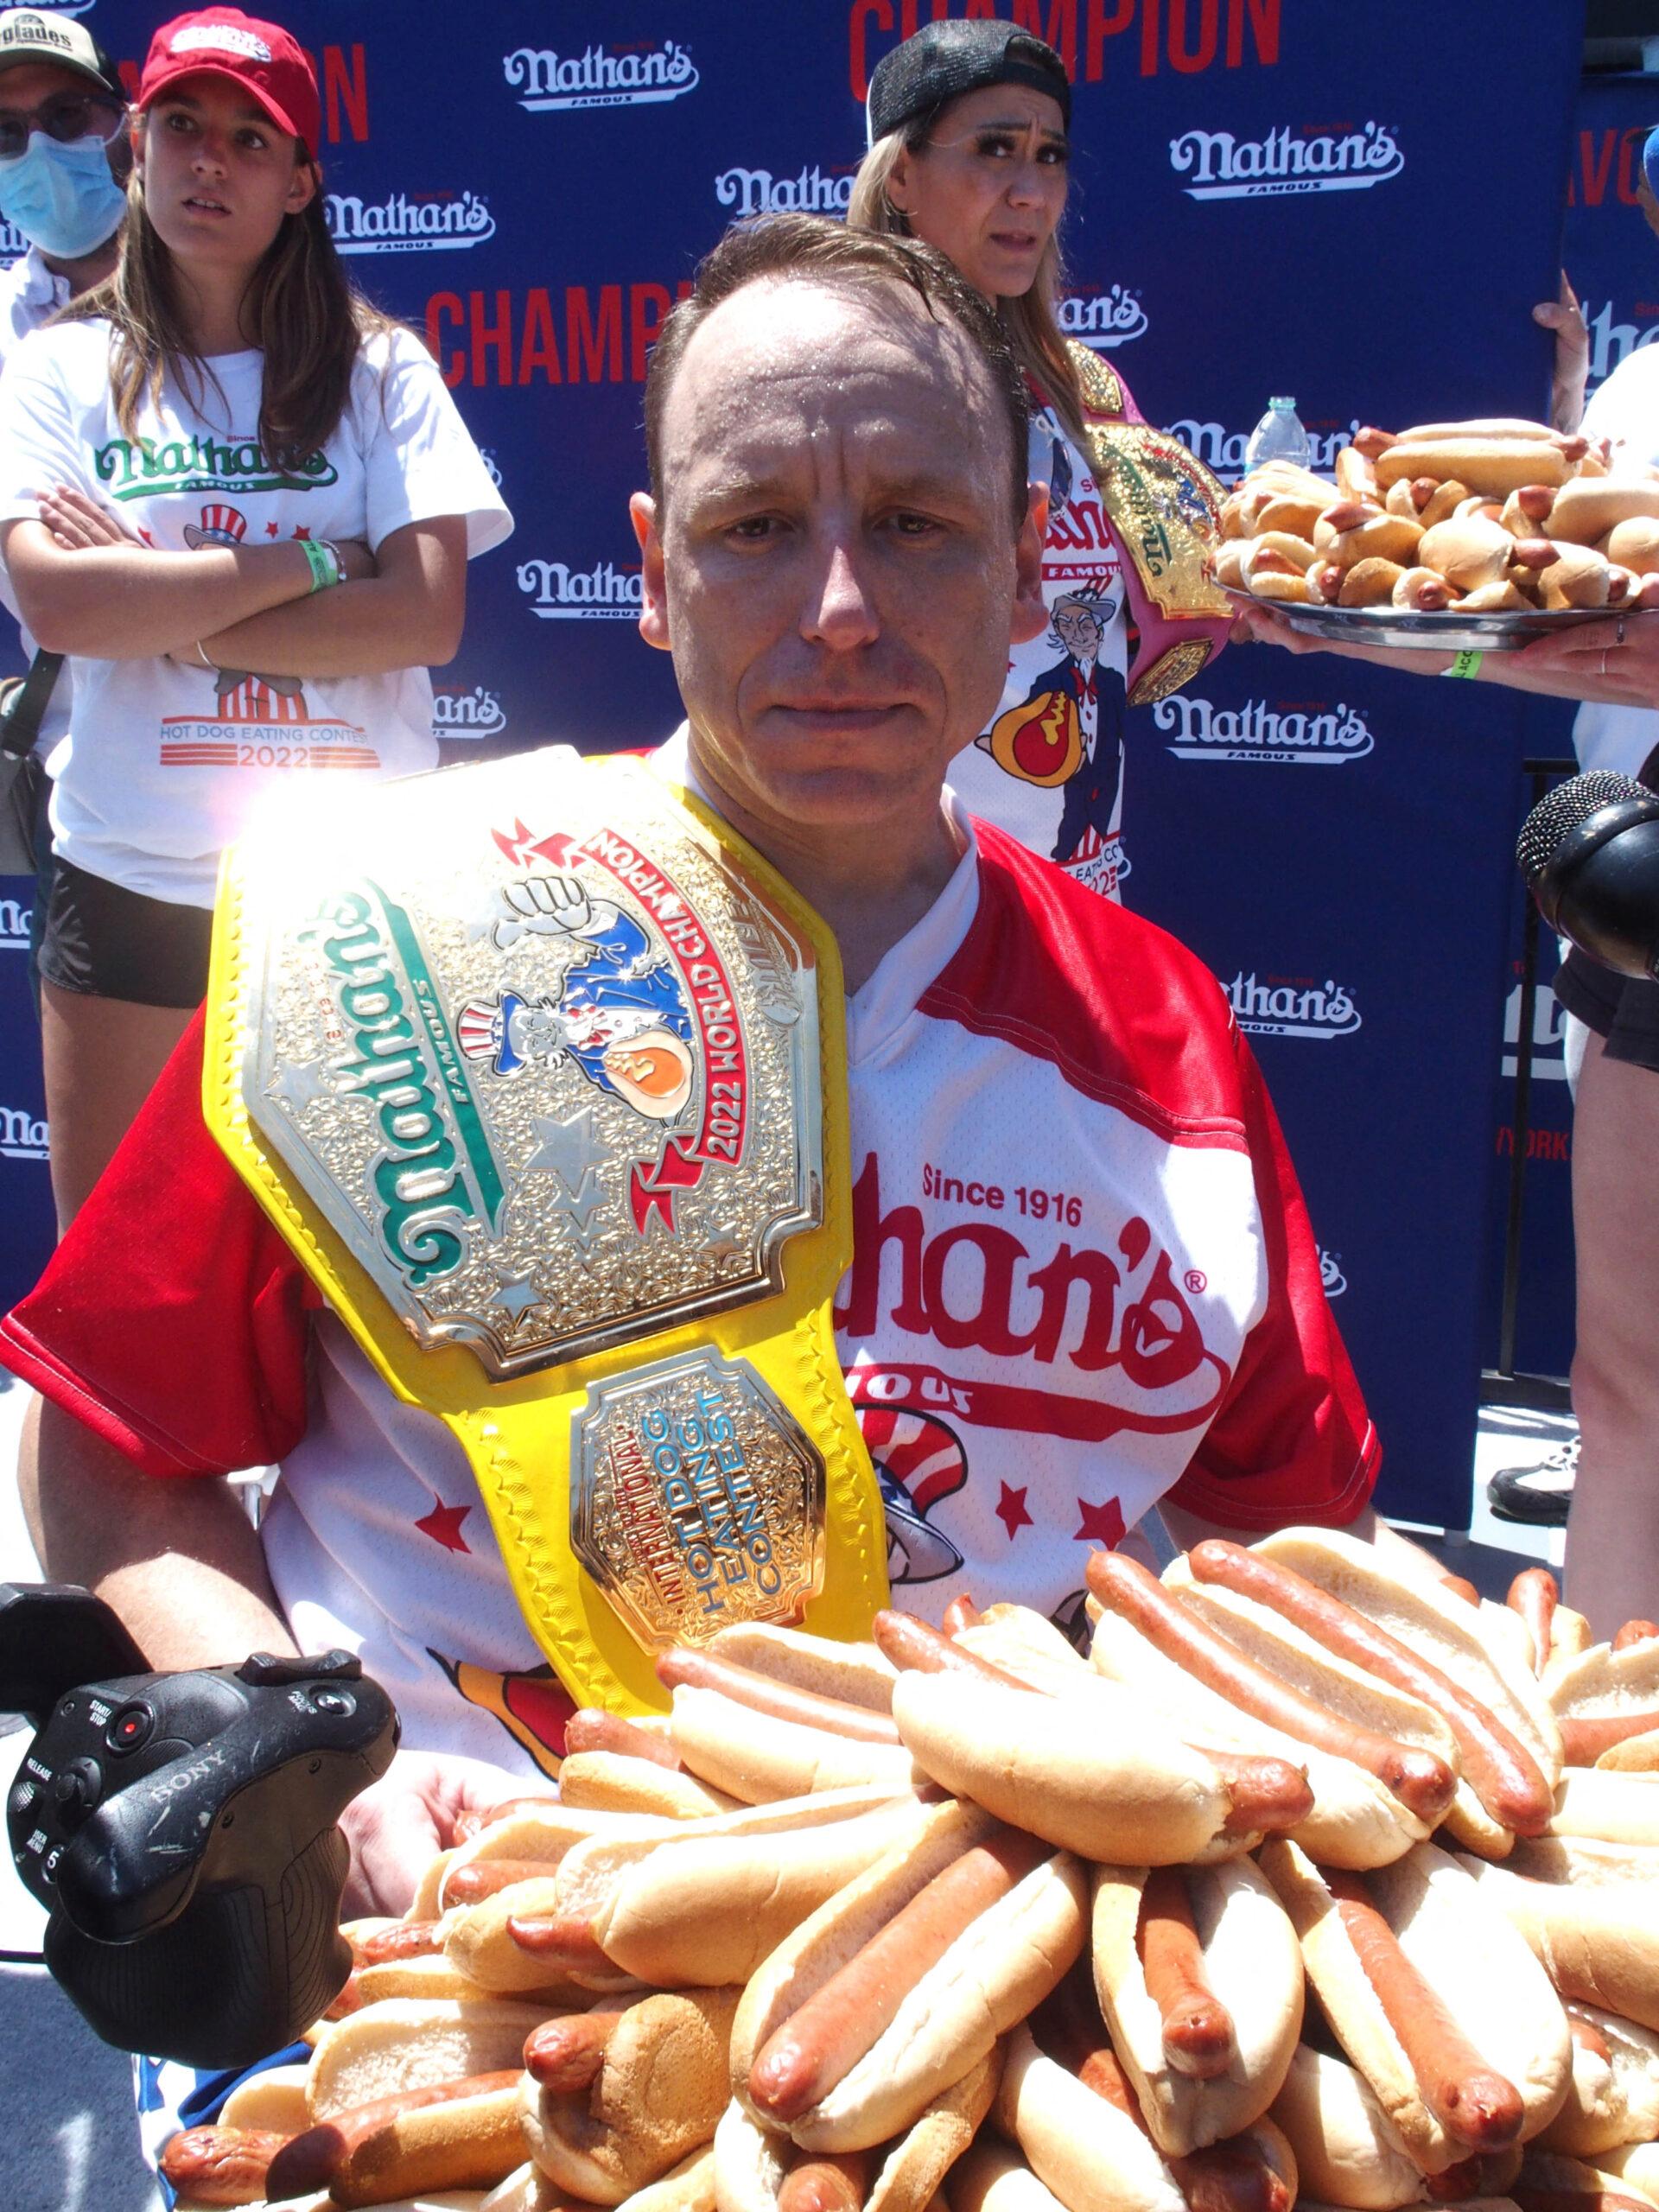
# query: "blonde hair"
{"type": "Point", "coordinates": [1032, 320]}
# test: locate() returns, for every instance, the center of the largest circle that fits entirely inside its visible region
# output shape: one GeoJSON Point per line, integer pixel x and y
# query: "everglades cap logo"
{"type": "Point", "coordinates": [430, 222]}
{"type": "Point", "coordinates": [1268, 1007]}
{"type": "Point", "coordinates": [1292, 737]}
{"type": "Point", "coordinates": [1222, 167]}
{"type": "Point", "coordinates": [559, 593]}
{"type": "Point", "coordinates": [601, 76]}
{"type": "Point", "coordinates": [1104, 320]}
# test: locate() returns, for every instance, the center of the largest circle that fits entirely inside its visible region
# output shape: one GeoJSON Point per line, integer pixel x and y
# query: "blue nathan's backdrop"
{"type": "Point", "coordinates": [1270, 196]}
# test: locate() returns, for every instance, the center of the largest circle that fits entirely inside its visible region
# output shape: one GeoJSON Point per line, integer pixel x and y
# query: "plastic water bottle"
{"type": "Point", "coordinates": [1279, 436]}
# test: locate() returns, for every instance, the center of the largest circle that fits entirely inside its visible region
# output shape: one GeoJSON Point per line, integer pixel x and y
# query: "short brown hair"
{"type": "Point", "coordinates": [813, 246]}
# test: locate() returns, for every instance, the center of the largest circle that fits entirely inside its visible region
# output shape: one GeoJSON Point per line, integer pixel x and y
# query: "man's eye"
{"type": "Point", "coordinates": [754, 530]}
{"type": "Point", "coordinates": [997, 147]}
{"type": "Point", "coordinates": [1057, 157]}
{"type": "Point", "coordinates": [913, 525]}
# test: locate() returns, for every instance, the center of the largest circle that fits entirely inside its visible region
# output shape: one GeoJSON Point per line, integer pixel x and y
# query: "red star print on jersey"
{"type": "Point", "coordinates": [271, 529]}
{"type": "Point", "coordinates": [443, 1523]}
{"type": "Point", "coordinates": [1011, 1511]}
{"type": "Point", "coordinates": [302, 530]}
{"type": "Point", "coordinates": [1100, 1524]}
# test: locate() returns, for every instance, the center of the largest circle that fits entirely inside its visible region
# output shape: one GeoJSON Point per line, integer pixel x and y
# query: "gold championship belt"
{"type": "Point", "coordinates": [540, 1071]}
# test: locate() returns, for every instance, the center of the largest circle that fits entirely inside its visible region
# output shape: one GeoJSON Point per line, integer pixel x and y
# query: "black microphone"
{"type": "Point", "coordinates": [1590, 853]}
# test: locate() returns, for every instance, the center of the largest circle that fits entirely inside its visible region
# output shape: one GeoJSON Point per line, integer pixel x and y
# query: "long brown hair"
{"type": "Point", "coordinates": [300, 309]}
{"type": "Point", "coordinates": [1032, 320]}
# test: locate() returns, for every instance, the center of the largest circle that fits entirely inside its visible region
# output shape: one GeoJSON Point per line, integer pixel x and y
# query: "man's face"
{"type": "Point", "coordinates": [837, 573]}
{"type": "Point", "coordinates": [28, 86]}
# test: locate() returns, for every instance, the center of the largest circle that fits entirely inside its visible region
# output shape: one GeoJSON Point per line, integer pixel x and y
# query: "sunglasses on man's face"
{"type": "Point", "coordinates": [66, 117]}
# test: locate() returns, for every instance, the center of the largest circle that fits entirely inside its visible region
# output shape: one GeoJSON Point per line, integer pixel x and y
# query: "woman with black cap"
{"type": "Point", "coordinates": [969, 152]}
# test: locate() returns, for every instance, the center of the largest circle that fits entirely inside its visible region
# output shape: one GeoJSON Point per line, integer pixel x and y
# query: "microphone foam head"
{"type": "Point", "coordinates": [1562, 810]}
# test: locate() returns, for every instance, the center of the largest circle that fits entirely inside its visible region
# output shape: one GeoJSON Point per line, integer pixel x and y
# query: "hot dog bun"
{"type": "Point", "coordinates": [1598, 1942]}
{"type": "Point", "coordinates": [1613, 2095]}
{"type": "Point", "coordinates": [1489, 1985]}
{"type": "Point", "coordinates": [756, 1758]}
{"type": "Point", "coordinates": [1491, 466]}
{"type": "Point", "coordinates": [854, 1671]}
{"type": "Point", "coordinates": [1586, 510]}
{"type": "Point", "coordinates": [1091, 2157]}
{"type": "Point", "coordinates": [1007, 1960]}
{"type": "Point", "coordinates": [612, 1781]}
{"type": "Point", "coordinates": [407, 2044]}
{"type": "Point", "coordinates": [1603, 1697]}
{"type": "Point", "coordinates": [1347, 2151]}
{"type": "Point", "coordinates": [1608, 1805]}
{"type": "Point", "coordinates": [1252, 1961]}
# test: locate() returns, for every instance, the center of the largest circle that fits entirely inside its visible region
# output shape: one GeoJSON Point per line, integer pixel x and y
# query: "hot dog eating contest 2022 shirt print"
{"type": "Point", "coordinates": [167, 760]}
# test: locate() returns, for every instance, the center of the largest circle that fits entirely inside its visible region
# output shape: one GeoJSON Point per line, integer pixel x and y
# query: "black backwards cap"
{"type": "Point", "coordinates": [946, 60]}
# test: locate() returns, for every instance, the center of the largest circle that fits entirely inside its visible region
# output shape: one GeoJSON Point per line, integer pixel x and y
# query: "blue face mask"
{"type": "Point", "coordinates": [61, 197]}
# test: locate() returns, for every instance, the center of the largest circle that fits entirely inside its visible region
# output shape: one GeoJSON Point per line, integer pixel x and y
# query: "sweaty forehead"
{"type": "Point", "coordinates": [786, 367]}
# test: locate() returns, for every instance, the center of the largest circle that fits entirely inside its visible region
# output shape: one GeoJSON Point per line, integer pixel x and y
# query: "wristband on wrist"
{"type": "Point", "coordinates": [1464, 664]}
{"type": "Point", "coordinates": [323, 561]}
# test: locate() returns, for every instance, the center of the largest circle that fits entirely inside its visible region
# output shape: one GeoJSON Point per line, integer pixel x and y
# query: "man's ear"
{"type": "Point", "coordinates": [653, 587]}
{"type": "Point", "coordinates": [1030, 610]}
{"type": "Point", "coordinates": [897, 184]}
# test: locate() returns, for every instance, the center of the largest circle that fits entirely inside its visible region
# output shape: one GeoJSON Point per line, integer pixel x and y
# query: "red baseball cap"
{"type": "Point", "coordinates": [269, 65]}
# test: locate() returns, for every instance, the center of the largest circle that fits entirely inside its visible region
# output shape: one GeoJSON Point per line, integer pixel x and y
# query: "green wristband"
{"type": "Point", "coordinates": [324, 564]}
{"type": "Point", "coordinates": [1465, 664]}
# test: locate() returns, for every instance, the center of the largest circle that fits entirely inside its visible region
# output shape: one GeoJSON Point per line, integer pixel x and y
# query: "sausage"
{"type": "Point", "coordinates": [1535, 1595]}
{"type": "Point", "coordinates": [818, 2045]}
{"type": "Point", "coordinates": [831, 2182]}
{"type": "Point", "coordinates": [486, 1878]}
{"type": "Point", "coordinates": [1422, 1782]}
{"type": "Point", "coordinates": [1471, 2101]}
{"type": "Point", "coordinates": [567, 2054]}
{"type": "Point", "coordinates": [1228, 2176]}
{"type": "Point", "coordinates": [1576, 2200]}
{"type": "Point", "coordinates": [1636, 1632]}
{"type": "Point", "coordinates": [909, 1642]}
{"type": "Point", "coordinates": [962, 1612]}
{"type": "Point", "coordinates": [1460, 1586]}
{"type": "Point", "coordinates": [1269, 1795]}
{"type": "Point", "coordinates": [1199, 2039]}
{"type": "Point", "coordinates": [590, 1730]}
{"type": "Point", "coordinates": [701, 1670]}
{"type": "Point", "coordinates": [1584, 1741]}
{"type": "Point", "coordinates": [1372, 442]}
{"type": "Point", "coordinates": [1478, 2175]}
{"type": "Point", "coordinates": [312, 2161]}
{"type": "Point", "coordinates": [220, 2165]}
{"type": "Point", "coordinates": [565, 1940]}
{"type": "Point", "coordinates": [1102, 2070]}
{"type": "Point", "coordinates": [1588, 2037]}
{"type": "Point", "coordinates": [407, 1939]}
{"type": "Point", "coordinates": [1502, 1772]}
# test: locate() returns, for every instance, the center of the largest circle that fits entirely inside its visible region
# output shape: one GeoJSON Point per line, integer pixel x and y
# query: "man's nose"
{"type": "Point", "coordinates": [841, 606]}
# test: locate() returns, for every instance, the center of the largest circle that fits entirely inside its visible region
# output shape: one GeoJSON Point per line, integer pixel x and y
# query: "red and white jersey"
{"type": "Point", "coordinates": [1082, 1279]}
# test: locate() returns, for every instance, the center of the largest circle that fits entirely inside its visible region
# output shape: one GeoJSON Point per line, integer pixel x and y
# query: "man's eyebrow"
{"type": "Point", "coordinates": [1019, 122]}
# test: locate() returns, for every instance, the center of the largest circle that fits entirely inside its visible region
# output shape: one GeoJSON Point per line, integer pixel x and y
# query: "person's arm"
{"type": "Point", "coordinates": [179, 1559]}
{"type": "Point", "coordinates": [1572, 366]}
{"type": "Point", "coordinates": [408, 614]}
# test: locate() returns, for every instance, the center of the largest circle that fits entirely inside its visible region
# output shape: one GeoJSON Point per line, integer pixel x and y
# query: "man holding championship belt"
{"type": "Point", "coordinates": [504, 1196]}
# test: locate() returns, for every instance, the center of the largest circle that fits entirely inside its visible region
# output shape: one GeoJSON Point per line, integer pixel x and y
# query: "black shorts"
{"type": "Point", "coordinates": [112, 943]}
{"type": "Point", "coordinates": [1623, 1010]}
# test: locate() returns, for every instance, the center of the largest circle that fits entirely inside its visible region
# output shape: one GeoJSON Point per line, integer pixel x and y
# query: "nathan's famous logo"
{"type": "Point", "coordinates": [559, 593]}
{"type": "Point", "coordinates": [811, 192]}
{"type": "Point", "coordinates": [1332, 1278]}
{"type": "Point", "coordinates": [635, 1015]}
{"type": "Point", "coordinates": [1104, 320]}
{"type": "Point", "coordinates": [1611, 342]}
{"type": "Point", "coordinates": [1222, 450]}
{"type": "Point", "coordinates": [458, 714]}
{"type": "Point", "coordinates": [15, 916]}
{"type": "Point", "coordinates": [1314, 736]}
{"type": "Point", "coordinates": [1222, 167]}
{"type": "Point", "coordinates": [437, 1171]}
{"type": "Point", "coordinates": [23, 1136]}
{"type": "Point", "coordinates": [633, 76]}
{"type": "Point", "coordinates": [138, 468]}
{"type": "Point", "coordinates": [1271, 1007]}
{"type": "Point", "coordinates": [430, 221]}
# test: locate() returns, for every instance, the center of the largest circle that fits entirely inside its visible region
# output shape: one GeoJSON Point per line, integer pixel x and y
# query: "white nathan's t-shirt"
{"type": "Point", "coordinates": [166, 763]}
{"type": "Point", "coordinates": [1626, 409]}
{"type": "Point", "coordinates": [1050, 769]}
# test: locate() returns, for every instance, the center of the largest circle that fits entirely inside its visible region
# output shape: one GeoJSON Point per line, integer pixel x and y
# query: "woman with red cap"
{"type": "Point", "coordinates": [968, 152]}
{"type": "Point", "coordinates": [242, 501]}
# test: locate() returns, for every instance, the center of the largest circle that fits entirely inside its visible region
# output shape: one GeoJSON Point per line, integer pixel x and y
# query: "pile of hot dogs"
{"type": "Point", "coordinates": [1463, 518]}
{"type": "Point", "coordinates": [960, 1920]}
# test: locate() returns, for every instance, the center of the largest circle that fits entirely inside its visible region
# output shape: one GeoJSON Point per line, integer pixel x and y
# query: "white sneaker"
{"type": "Point", "coordinates": [1538, 1495]}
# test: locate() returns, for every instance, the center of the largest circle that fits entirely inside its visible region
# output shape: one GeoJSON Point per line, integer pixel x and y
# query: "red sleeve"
{"type": "Point", "coordinates": [172, 1318]}
{"type": "Point", "coordinates": [1292, 1442]}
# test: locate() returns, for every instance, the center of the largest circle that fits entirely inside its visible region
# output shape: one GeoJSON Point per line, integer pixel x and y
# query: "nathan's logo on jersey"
{"type": "Point", "coordinates": [22, 1136]}
{"type": "Point", "coordinates": [559, 593]}
{"type": "Point", "coordinates": [458, 714]}
{"type": "Point", "coordinates": [532, 1707]}
{"type": "Point", "coordinates": [1115, 1325]}
{"type": "Point", "coordinates": [758, 192]}
{"type": "Point", "coordinates": [1222, 450]}
{"type": "Point", "coordinates": [1105, 319]}
{"type": "Point", "coordinates": [139, 469]}
{"type": "Point", "coordinates": [1312, 735]}
{"type": "Point", "coordinates": [1271, 1008]}
{"type": "Point", "coordinates": [1222, 167]}
{"type": "Point", "coordinates": [14, 918]}
{"type": "Point", "coordinates": [429, 222]}
{"type": "Point", "coordinates": [1331, 1274]}
{"type": "Point", "coordinates": [631, 76]}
